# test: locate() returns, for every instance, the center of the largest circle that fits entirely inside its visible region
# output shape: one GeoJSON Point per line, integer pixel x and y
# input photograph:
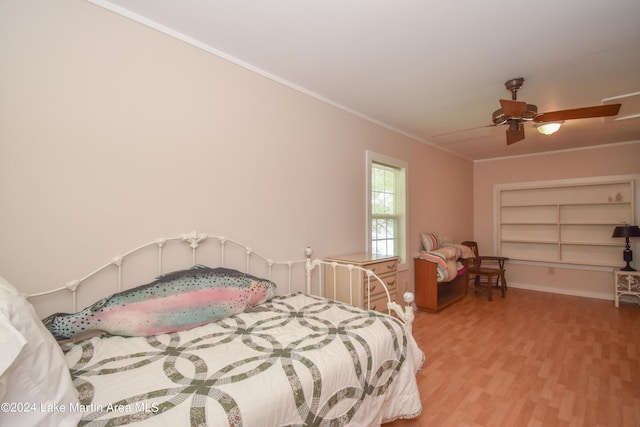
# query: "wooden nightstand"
{"type": "Point", "coordinates": [384, 267]}
{"type": "Point", "coordinates": [626, 283]}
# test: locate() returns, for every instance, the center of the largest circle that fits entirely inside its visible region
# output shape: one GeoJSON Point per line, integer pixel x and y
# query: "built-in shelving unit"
{"type": "Point", "coordinates": [564, 221]}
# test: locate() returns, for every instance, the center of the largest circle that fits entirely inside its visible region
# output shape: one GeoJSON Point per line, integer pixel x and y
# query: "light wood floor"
{"type": "Point", "coordinates": [531, 359]}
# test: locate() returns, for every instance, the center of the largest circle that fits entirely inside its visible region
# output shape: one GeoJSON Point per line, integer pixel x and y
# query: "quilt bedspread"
{"type": "Point", "coordinates": [301, 361]}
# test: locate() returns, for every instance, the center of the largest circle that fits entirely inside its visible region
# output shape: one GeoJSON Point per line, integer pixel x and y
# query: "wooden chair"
{"type": "Point", "coordinates": [476, 270]}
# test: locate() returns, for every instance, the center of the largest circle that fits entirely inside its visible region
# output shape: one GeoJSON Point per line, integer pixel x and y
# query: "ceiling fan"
{"type": "Point", "coordinates": [514, 113]}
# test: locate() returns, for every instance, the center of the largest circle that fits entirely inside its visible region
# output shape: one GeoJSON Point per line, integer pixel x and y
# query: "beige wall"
{"type": "Point", "coordinates": [621, 159]}
{"type": "Point", "coordinates": [112, 134]}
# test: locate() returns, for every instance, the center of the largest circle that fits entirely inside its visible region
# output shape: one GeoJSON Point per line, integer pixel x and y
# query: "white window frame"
{"type": "Point", "coordinates": [403, 169]}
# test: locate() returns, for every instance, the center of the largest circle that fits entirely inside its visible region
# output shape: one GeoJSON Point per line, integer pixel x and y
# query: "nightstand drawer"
{"type": "Point", "coordinates": [384, 267]}
{"type": "Point", "coordinates": [380, 303]}
{"type": "Point", "coordinates": [390, 280]}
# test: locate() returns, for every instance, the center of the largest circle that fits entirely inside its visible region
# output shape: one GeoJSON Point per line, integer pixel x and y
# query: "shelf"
{"type": "Point", "coordinates": [568, 262]}
{"type": "Point", "coordinates": [563, 243]}
{"type": "Point", "coordinates": [432, 295]}
{"type": "Point", "coordinates": [565, 204]}
{"type": "Point", "coordinates": [613, 245]}
{"type": "Point", "coordinates": [530, 223]}
{"type": "Point", "coordinates": [602, 224]}
{"type": "Point", "coordinates": [595, 203]}
{"type": "Point", "coordinates": [564, 221]}
{"type": "Point", "coordinates": [542, 242]}
{"type": "Point", "coordinates": [551, 205]}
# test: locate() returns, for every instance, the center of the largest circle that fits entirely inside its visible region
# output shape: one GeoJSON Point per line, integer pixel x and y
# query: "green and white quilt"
{"type": "Point", "coordinates": [301, 361]}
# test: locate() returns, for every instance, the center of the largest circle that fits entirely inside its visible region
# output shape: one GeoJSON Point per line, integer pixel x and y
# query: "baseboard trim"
{"type": "Point", "coordinates": [595, 295]}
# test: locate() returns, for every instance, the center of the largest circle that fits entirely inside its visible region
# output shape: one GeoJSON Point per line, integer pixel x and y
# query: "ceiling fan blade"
{"type": "Point", "coordinates": [513, 108]}
{"type": "Point", "coordinates": [579, 113]}
{"type": "Point", "coordinates": [515, 132]}
{"type": "Point", "coordinates": [462, 130]}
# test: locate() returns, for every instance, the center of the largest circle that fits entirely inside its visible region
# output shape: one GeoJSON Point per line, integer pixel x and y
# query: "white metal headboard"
{"type": "Point", "coordinates": [195, 242]}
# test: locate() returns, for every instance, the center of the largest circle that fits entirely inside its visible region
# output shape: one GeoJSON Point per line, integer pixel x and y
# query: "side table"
{"type": "Point", "coordinates": [354, 289]}
{"type": "Point", "coordinates": [500, 260]}
{"type": "Point", "coordinates": [626, 283]}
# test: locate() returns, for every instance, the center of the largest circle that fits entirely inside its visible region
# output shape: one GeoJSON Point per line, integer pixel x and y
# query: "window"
{"type": "Point", "coordinates": [386, 210]}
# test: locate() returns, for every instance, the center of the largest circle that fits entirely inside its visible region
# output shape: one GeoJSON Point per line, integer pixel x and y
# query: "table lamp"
{"type": "Point", "coordinates": [627, 231]}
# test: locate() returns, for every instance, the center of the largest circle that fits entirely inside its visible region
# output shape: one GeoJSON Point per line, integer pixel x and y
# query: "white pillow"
{"type": "Point", "coordinates": [35, 384]}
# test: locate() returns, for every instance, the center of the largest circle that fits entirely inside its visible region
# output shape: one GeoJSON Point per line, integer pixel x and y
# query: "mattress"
{"type": "Point", "coordinates": [297, 360]}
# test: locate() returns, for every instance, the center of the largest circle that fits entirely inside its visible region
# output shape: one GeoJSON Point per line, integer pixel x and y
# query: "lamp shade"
{"type": "Point", "coordinates": [626, 231]}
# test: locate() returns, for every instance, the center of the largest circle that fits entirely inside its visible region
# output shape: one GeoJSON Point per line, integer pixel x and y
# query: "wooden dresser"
{"type": "Point", "coordinates": [384, 267]}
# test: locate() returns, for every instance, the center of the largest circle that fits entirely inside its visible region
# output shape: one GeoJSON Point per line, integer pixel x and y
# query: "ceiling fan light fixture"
{"type": "Point", "coordinates": [530, 112]}
{"type": "Point", "coordinates": [549, 128]}
{"type": "Point", "coordinates": [499, 117]}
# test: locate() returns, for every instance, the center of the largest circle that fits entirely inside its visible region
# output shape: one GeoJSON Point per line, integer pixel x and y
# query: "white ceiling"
{"type": "Point", "coordinates": [427, 67]}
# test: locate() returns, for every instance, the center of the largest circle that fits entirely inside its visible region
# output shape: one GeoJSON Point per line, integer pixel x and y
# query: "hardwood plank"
{"type": "Point", "coordinates": [530, 359]}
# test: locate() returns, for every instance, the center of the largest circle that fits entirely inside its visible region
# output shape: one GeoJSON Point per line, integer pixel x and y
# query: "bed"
{"type": "Point", "coordinates": [298, 360]}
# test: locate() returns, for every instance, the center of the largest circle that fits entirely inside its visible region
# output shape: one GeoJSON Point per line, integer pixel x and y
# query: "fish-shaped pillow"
{"type": "Point", "coordinates": [173, 302]}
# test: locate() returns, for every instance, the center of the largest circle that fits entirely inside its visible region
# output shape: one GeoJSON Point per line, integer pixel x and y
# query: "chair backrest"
{"type": "Point", "coordinates": [475, 261]}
